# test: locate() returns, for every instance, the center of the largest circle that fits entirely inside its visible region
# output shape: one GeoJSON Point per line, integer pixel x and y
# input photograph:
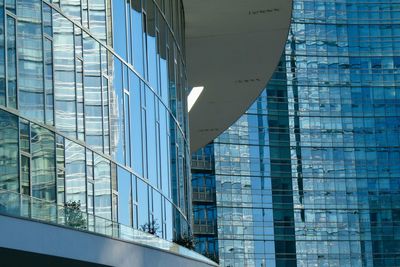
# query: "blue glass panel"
{"type": "Point", "coordinates": [11, 63]}
{"type": "Point", "coordinates": [137, 35]}
{"type": "Point", "coordinates": [30, 59]}
{"type": "Point", "coordinates": [9, 152]}
{"type": "Point", "coordinates": [117, 114]}
{"type": "Point", "coordinates": [75, 172]}
{"type": "Point", "coordinates": [143, 204]}
{"type": "Point", "coordinates": [2, 57]}
{"type": "Point", "coordinates": [102, 187]}
{"type": "Point", "coordinates": [136, 124]}
{"type": "Point", "coordinates": [64, 75]}
{"type": "Point", "coordinates": [119, 28]}
{"type": "Point", "coordinates": [124, 197]}
{"type": "Point", "coordinates": [43, 168]}
{"type": "Point", "coordinates": [151, 136]}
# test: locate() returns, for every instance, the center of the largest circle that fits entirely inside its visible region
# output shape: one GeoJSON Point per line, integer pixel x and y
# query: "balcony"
{"type": "Point", "coordinates": [201, 165]}
{"type": "Point", "coordinates": [204, 228]}
{"type": "Point", "coordinates": [202, 162]}
{"type": "Point", "coordinates": [203, 195]}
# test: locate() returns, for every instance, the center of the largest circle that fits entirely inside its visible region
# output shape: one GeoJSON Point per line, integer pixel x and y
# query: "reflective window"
{"type": "Point", "coordinates": [2, 57]}
{"type": "Point", "coordinates": [97, 18]}
{"type": "Point", "coordinates": [137, 37]}
{"type": "Point", "coordinates": [119, 22]}
{"type": "Point", "coordinates": [60, 161]}
{"type": "Point", "coordinates": [143, 204]}
{"type": "Point", "coordinates": [30, 59]}
{"type": "Point", "coordinates": [75, 172]}
{"type": "Point", "coordinates": [64, 75]}
{"type": "Point", "coordinates": [124, 197]}
{"type": "Point", "coordinates": [102, 187]}
{"type": "Point", "coordinates": [81, 103]}
{"type": "Point", "coordinates": [48, 81]}
{"type": "Point", "coordinates": [117, 117]}
{"type": "Point", "coordinates": [43, 163]}
{"type": "Point", "coordinates": [11, 63]}
{"type": "Point", "coordinates": [9, 152]}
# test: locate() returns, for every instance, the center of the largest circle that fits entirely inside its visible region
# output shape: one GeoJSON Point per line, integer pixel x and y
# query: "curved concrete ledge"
{"type": "Point", "coordinates": [232, 49]}
{"type": "Point", "coordinates": [47, 239]}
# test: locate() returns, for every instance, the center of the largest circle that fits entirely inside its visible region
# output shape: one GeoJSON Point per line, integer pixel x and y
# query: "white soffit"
{"type": "Point", "coordinates": [232, 49]}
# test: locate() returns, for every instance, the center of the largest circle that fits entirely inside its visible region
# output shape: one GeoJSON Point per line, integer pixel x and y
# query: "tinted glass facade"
{"type": "Point", "coordinates": [243, 177]}
{"type": "Point", "coordinates": [204, 205]}
{"type": "Point", "coordinates": [310, 175]}
{"type": "Point", "coordinates": [93, 108]}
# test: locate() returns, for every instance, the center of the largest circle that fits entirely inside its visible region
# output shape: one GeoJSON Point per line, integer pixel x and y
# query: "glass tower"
{"type": "Point", "coordinates": [93, 112]}
{"type": "Point", "coordinates": [204, 205]}
{"type": "Point", "coordinates": [310, 174]}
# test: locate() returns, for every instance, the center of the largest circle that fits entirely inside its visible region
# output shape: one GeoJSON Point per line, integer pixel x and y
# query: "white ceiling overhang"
{"type": "Point", "coordinates": [232, 49]}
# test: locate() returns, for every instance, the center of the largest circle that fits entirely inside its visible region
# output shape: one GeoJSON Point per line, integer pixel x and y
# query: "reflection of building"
{"type": "Point", "coordinates": [93, 127]}
{"type": "Point", "coordinates": [309, 176]}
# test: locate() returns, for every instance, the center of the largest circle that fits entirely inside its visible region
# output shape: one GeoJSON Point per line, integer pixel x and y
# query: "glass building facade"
{"type": "Point", "coordinates": [204, 205]}
{"type": "Point", "coordinates": [93, 109]}
{"type": "Point", "coordinates": [310, 175]}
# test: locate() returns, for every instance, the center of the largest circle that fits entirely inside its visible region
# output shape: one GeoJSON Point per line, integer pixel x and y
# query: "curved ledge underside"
{"type": "Point", "coordinates": [232, 49]}
{"type": "Point", "coordinates": [61, 244]}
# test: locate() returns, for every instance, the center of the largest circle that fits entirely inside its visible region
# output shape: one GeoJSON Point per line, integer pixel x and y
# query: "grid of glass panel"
{"type": "Point", "coordinates": [93, 108]}
{"type": "Point", "coordinates": [246, 231]}
{"type": "Point", "coordinates": [343, 106]}
{"type": "Point", "coordinates": [310, 175]}
{"type": "Point", "coordinates": [204, 206]}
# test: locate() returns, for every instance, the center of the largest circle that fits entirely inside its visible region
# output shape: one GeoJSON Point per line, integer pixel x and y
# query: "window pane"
{"type": "Point", "coordinates": [102, 187]}
{"type": "Point", "coordinates": [11, 63]}
{"type": "Point", "coordinates": [2, 58]}
{"type": "Point", "coordinates": [75, 185]}
{"type": "Point", "coordinates": [25, 175]}
{"type": "Point", "coordinates": [43, 163]}
{"type": "Point", "coordinates": [8, 152]}
{"type": "Point", "coordinates": [143, 204]}
{"type": "Point", "coordinates": [64, 75]}
{"type": "Point", "coordinates": [124, 197]}
{"type": "Point", "coordinates": [48, 83]}
{"type": "Point", "coordinates": [30, 59]}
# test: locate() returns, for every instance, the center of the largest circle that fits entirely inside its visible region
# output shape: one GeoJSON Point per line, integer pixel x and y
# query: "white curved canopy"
{"type": "Point", "coordinates": [232, 49]}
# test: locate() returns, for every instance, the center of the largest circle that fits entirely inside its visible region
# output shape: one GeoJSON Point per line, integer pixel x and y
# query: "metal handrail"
{"type": "Point", "coordinates": [208, 196]}
{"type": "Point", "coordinates": [204, 228]}
{"type": "Point", "coordinates": [28, 207]}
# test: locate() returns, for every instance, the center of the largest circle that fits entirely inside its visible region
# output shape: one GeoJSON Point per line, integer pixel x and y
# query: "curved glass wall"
{"type": "Point", "coordinates": [93, 108]}
{"type": "Point", "coordinates": [310, 175]}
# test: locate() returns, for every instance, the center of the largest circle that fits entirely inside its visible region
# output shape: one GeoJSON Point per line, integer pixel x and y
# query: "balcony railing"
{"type": "Point", "coordinates": [203, 195]}
{"type": "Point", "coordinates": [202, 164]}
{"type": "Point", "coordinates": [27, 207]}
{"type": "Point", "coordinates": [204, 229]}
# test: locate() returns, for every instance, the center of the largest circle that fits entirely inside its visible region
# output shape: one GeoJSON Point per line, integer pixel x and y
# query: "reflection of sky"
{"type": "Point", "coordinates": [119, 26]}
{"type": "Point", "coordinates": [98, 100]}
{"type": "Point", "coordinates": [141, 138]}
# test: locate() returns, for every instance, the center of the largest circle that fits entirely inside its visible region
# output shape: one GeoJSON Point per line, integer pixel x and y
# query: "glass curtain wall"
{"type": "Point", "coordinates": [93, 108]}
{"type": "Point", "coordinates": [343, 107]}
{"type": "Point", "coordinates": [310, 175]}
{"type": "Point", "coordinates": [204, 206]}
